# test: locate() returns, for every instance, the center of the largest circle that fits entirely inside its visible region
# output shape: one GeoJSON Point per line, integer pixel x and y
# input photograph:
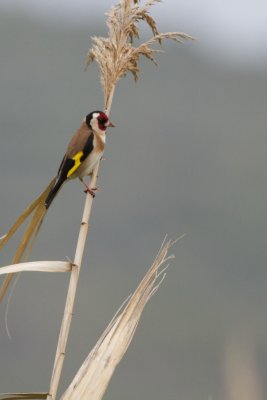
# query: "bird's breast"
{"type": "Point", "coordinates": [87, 166]}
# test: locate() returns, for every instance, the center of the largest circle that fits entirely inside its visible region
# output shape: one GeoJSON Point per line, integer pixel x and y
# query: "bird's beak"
{"type": "Point", "coordinates": [110, 125]}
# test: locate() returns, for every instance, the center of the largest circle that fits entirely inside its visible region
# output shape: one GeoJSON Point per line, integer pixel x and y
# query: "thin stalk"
{"type": "Point", "coordinates": [109, 99]}
{"type": "Point", "coordinates": [74, 277]}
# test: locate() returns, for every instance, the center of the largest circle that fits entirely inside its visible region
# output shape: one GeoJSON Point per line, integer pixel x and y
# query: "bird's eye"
{"type": "Point", "coordinates": [102, 120]}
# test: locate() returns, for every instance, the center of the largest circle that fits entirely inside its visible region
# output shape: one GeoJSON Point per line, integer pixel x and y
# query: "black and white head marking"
{"type": "Point", "coordinates": [97, 120]}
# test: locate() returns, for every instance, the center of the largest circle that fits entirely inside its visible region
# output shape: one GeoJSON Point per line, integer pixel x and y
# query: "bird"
{"type": "Point", "coordinates": [85, 149]}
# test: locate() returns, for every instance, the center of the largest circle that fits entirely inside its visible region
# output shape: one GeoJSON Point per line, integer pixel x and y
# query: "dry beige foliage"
{"type": "Point", "coordinates": [95, 373]}
{"type": "Point", "coordinates": [38, 266]}
{"type": "Point", "coordinates": [116, 55]}
{"type": "Point", "coordinates": [37, 211]}
{"type": "Point", "coordinates": [22, 396]}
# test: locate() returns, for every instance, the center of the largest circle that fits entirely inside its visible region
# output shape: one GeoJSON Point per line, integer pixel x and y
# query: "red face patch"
{"type": "Point", "coordinates": [102, 120]}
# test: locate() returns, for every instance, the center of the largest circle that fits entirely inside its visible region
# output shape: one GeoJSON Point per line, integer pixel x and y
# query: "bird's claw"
{"type": "Point", "coordinates": [90, 190]}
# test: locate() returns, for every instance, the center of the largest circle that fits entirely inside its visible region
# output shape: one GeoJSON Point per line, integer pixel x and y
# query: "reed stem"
{"type": "Point", "coordinates": [74, 277]}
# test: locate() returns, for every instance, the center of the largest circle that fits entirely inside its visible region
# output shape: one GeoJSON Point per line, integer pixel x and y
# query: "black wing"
{"type": "Point", "coordinates": [68, 166]}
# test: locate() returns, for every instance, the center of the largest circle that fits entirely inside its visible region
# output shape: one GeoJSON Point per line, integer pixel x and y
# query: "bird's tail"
{"type": "Point", "coordinates": [38, 210]}
{"type": "Point", "coordinates": [53, 192]}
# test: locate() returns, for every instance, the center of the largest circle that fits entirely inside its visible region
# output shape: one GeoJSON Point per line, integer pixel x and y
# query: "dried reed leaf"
{"type": "Point", "coordinates": [95, 373]}
{"type": "Point", "coordinates": [26, 213]}
{"type": "Point", "coordinates": [37, 208]}
{"type": "Point", "coordinates": [38, 266]}
{"type": "Point", "coordinates": [23, 396]}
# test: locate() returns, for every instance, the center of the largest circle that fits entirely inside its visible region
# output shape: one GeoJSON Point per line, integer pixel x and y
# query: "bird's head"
{"type": "Point", "coordinates": [98, 121]}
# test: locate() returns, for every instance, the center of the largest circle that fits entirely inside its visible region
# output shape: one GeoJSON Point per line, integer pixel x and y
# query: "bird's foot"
{"type": "Point", "coordinates": [91, 190]}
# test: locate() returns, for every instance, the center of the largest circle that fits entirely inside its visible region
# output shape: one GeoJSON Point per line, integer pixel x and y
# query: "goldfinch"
{"type": "Point", "coordinates": [84, 151]}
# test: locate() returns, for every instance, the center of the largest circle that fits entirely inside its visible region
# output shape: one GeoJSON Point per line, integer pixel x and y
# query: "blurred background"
{"type": "Point", "coordinates": [188, 155]}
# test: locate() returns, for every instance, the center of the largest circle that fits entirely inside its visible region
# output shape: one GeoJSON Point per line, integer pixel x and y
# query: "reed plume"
{"type": "Point", "coordinates": [116, 54]}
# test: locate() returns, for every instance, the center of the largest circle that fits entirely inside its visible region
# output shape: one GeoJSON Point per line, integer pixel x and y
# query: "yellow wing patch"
{"type": "Point", "coordinates": [77, 159]}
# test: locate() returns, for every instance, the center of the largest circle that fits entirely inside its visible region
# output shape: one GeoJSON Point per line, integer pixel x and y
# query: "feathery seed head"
{"type": "Point", "coordinates": [116, 55]}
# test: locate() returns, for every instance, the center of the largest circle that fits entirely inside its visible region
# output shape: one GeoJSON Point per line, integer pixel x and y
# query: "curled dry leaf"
{"type": "Point", "coordinates": [95, 373]}
{"type": "Point", "coordinates": [38, 266]}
